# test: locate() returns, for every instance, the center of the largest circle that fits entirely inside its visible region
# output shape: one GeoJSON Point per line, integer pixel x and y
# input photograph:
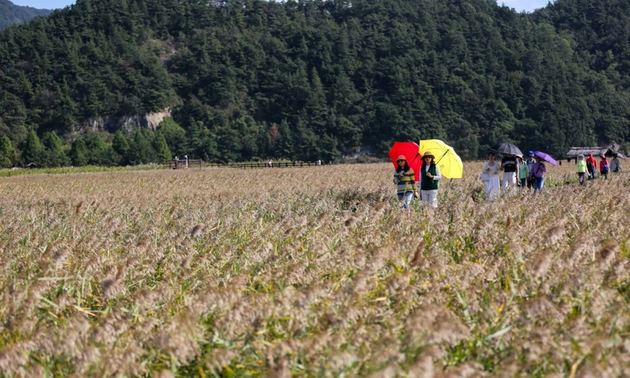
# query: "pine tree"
{"type": "Point", "coordinates": [121, 147]}
{"type": "Point", "coordinates": [175, 136]}
{"type": "Point", "coordinates": [161, 148]}
{"type": "Point", "coordinates": [97, 149]}
{"type": "Point", "coordinates": [140, 151]}
{"type": "Point", "coordinates": [7, 153]}
{"type": "Point", "coordinates": [79, 153]}
{"type": "Point", "coordinates": [284, 149]}
{"type": "Point", "coordinates": [33, 150]}
{"type": "Point", "coordinates": [54, 156]}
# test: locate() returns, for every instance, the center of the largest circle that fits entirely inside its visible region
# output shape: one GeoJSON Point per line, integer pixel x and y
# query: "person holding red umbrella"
{"type": "Point", "coordinates": [405, 180]}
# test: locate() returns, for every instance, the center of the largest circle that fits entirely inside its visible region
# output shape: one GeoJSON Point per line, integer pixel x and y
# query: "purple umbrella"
{"type": "Point", "coordinates": [546, 157]}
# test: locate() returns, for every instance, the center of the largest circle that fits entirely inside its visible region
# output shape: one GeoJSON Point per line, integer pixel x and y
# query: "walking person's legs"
{"type": "Point", "coordinates": [429, 198]}
{"type": "Point", "coordinates": [405, 199]}
{"type": "Point", "coordinates": [408, 198]}
{"type": "Point", "coordinates": [538, 182]}
{"type": "Point", "coordinates": [424, 194]}
{"type": "Point", "coordinates": [493, 188]}
{"type": "Point", "coordinates": [509, 180]}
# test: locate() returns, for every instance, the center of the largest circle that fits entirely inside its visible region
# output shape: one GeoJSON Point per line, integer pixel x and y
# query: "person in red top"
{"type": "Point", "coordinates": [591, 166]}
{"type": "Point", "coordinates": [603, 167]}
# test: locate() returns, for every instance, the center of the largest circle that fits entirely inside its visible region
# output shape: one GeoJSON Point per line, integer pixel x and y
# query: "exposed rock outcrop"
{"type": "Point", "coordinates": [127, 123]}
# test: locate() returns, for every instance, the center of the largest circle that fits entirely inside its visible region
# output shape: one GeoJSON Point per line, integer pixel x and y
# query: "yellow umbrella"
{"type": "Point", "coordinates": [445, 157]}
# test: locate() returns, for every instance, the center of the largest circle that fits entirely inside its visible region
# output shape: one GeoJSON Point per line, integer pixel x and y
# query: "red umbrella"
{"type": "Point", "coordinates": [409, 150]}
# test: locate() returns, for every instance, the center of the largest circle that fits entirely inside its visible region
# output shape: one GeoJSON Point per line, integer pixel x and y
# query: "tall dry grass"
{"type": "Point", "coordinates": [311, 272]}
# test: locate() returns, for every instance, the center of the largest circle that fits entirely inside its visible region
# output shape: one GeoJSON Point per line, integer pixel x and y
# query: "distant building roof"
{"type": "Point", "coordinates": [574, 152]}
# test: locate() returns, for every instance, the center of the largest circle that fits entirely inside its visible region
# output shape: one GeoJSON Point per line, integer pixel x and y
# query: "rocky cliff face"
{"type": "Point", "coordinates": [128, 123]}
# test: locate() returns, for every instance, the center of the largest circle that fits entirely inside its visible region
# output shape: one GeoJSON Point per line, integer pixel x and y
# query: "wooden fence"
{"type": "Point", "coordinates": [183, 164]}
{"type": "Point", "coordinates": [296, 164]}
{"type": "Point", "coordinates": [198, 163]}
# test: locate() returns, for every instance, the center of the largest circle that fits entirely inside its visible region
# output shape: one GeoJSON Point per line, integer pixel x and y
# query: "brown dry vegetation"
{"type": "Point", "coordinates": [310, 272]}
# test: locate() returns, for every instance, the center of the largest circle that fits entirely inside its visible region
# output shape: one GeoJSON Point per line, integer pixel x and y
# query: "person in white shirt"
{"type": "Point", "coordinates": [490, 177]}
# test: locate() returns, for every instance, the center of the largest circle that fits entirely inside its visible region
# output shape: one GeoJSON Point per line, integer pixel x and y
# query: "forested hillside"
{"type": "Point", "coordinates": [312, 79]}
{"type": "Point", "coordinates": [13, 14]}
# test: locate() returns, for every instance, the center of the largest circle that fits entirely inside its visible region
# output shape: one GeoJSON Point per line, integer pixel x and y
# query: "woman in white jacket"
{"type": "Point", "coordinates": [490, 177]}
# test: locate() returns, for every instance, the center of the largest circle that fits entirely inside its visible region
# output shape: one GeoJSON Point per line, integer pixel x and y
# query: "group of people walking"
{"type": "Point", "coordinates": [517, 172]}
{"type": "Point", "coordinates": [528, 173]}
{"type": "Point", "coordinates": [407, 186]}
{"type": "Point", "coordinates": [587, 167]}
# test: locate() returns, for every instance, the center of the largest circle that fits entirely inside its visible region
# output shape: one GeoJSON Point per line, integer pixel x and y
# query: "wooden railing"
{"type": "Point", "coordinates": [296, 164]}
{"type": "Point", "coordinates": [183, 164]}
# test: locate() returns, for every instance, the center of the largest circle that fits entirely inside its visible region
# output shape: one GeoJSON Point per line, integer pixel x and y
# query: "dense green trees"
{"type": "Point", "coordinates": [53, 154]}
{"type": "Point", "coordinates": [312, 80]}
{"type": "Point", "coordinates": [79, 153]}
{"type": "Point", "coordinates": [7, 153]}
{"type": "Point", "coordinates": [33, 150]}
{"type": "Point", "coordinates": [175, 136]}
{"type": "Point", "coordinates": [121, 147]}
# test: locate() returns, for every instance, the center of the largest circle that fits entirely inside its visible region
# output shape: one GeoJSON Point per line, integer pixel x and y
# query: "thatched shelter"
{"type": "Point", "coordinates": [574, 152]}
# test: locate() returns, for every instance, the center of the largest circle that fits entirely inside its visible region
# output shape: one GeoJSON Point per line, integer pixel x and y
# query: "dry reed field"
{"type": "Point", "coordinates": [311, 272]}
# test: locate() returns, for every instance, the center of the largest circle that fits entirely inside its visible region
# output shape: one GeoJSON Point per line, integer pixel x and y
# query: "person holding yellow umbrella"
{"type": "Point", "coordinates": [441, 161]}
{"type": "Point", "coordinates": [429, 180]}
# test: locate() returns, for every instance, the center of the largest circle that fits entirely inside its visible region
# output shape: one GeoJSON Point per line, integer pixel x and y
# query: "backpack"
{"type": "Point", "coordinates": [605, 168]}
{"type": "Point", "coordinates": [589, 166]}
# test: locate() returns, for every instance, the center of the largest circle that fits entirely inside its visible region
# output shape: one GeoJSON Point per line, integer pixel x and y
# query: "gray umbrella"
{"type": "Point", "coordinates": [507, 148]}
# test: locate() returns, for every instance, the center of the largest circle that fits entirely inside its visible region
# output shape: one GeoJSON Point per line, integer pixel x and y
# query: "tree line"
{"type": "Point", "coordinates": [141, 147]}
{"type": "Point", "coordinates": [312, 79]}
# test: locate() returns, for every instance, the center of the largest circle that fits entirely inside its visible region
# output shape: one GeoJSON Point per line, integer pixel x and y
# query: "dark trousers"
{"type": "Point", "coordinates": [530, 183]}
{"type": "Point", "coordinates": [581, 176]}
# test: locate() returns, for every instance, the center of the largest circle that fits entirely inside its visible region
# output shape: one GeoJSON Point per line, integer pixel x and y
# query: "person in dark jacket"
{"type": "Point", "coordinates": [429, 180]}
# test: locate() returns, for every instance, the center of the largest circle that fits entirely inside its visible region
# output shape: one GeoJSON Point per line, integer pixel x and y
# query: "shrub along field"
{"type": "Point", "coordinates": [311, 272]}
